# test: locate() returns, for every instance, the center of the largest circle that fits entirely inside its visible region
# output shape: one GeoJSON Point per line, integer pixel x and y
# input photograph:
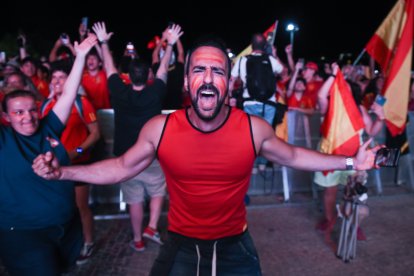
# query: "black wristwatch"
{"type": "Point", "coordinates": [79, 150]}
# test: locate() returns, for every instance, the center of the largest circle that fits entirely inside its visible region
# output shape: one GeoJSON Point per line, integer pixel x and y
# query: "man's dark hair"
{"type": "Point", "coordinates": [301, 79]}
{"type": "Point", "coordinates": [258, 42]}
{"type": "Point", "coordinates": [16, 94]}
{"type": "Point", "coordinates": [93, 52]}
{"type": "Point", "coordinates": [138, 71]}
{"type": "Point", "coordinates": [63, 65]}
{"type": "Point", "coordinates": [30, 59]}
{"type": "Point", "coordinates": [210, 41]}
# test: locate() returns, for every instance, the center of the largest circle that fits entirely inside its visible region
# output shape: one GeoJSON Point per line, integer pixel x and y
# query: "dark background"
{"type": "Point", "coordinates": [326, 28]}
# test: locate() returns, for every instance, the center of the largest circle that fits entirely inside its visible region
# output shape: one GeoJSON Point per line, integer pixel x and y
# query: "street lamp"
{"type": "Point", "coordinates": [292, 28]}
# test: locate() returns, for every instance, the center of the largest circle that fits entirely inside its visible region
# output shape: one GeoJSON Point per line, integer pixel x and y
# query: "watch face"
{"type": "Point", "coordinates": [349, 162]}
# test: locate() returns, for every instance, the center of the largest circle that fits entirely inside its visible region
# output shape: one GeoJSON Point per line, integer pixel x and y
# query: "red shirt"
{"type": "Point", "coordinates": [125, 78]}
{"type": "Point", "coordinates": [312, 89]}
{"type": "Point", "coordinates": [304, 102]}
{"type": "Point", "coordinates": [41, 85]}
{"type": "Point", "coordinates": [76, 130]}
{"type": "Point", "coordinates": [96, 87]}
{"type": "Point", "coordinates": [207, 175]}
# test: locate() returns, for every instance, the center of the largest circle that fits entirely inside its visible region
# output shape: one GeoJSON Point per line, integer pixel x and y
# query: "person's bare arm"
{"type": "Point", "coordinates": [291, 87]}
{"type": "Point", "coordinates": [103, 36]}
{"type": "Point", "coordinates": [83, 31]}
{"type": "Point", "coordinates": [57, 45]}
{"type": "Point", "coordinates": [156, 52]}
{"type": "Point", "coordinates": [63, 106]}
{"type": "Point", "coordinates": [289, 55]}
{"type": "Point", "coordinates": [373, 127]}
{"type": "Point", "coordinates": [180, 51]}
{"type": "Point", "coordinates": [22, 48]}
{"type": "Point", "coordinates": [109, 171]}
{"type": "Point", "coordinates": [278, 151]}
{"type": "Point", "coordinates": [53, 52]}
{"type": "Point", "coordinates": [235, 69]}
{"type": "Point", "coordinates": [91, 139]}
{"type": "Point", "coordinates": [308, 111]}
{"type": "Point", "coordinates": [172, 35]}
{"type": "Point", "coordinates": [323, 92]}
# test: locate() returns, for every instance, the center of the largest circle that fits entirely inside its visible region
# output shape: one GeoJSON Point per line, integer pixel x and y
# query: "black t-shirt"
{"type": "Point", "coordinates": [175, 81]}
{"type": "Point", "coordinates": [133, 109]}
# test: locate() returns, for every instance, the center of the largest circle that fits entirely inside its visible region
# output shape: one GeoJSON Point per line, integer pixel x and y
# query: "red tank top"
{"type": "Point", "coordinates": [207, 175]}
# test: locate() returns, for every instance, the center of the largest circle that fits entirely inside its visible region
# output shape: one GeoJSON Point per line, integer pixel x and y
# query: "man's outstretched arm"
{"type": "Point", "coordinates": [109, 171]}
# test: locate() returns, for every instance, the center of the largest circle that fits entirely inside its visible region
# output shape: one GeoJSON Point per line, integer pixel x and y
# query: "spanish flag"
{"type": "Point", "coordinates": [270, 31]}
{"type": "Point", "coordinates": [343, 121]}
{"type": "Point", "coordinates": [391, 48]}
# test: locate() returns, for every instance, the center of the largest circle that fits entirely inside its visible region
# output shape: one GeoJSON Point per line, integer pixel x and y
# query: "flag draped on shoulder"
{"type": "Point", "coordinates": [391, 48]}
{"type": "Point", "coordinates": [248, 49]}
{"type": "Point", "coordinates": [343, 121]}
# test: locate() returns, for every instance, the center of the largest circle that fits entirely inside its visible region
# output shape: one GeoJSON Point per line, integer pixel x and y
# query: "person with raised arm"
{"type": "Point", "coordinates": [40, 231]}
{"type": "Point", "coordinates": [134, 105]}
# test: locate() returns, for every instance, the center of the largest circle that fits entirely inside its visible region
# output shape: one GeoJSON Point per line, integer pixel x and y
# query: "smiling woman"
{"type": "Point", "coordinates": [33, 212]}
{"type": "Point", "coordinates": [21, 112]}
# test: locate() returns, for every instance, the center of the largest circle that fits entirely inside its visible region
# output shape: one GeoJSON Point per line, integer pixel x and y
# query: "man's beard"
{"type": "Point", "coordinates": [220, 102]}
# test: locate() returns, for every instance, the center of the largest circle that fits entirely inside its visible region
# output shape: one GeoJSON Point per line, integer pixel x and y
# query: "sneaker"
{"type": "Point", "coordinates": [361, 235]}
{"type": "Point", "coordinates": [85, 254]}
{"type": "Point", "coordinates": [152, 234]}
{"type": "Point", "coordinates": [138, 246]}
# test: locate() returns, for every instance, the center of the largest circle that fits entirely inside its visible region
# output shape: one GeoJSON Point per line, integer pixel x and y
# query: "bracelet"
{"type": "Point", "coordinates": [170, 44]}
{"type": "Point", "coordinates": [332, 75]}
{"type": "Point", "coordinates": [103, 41]}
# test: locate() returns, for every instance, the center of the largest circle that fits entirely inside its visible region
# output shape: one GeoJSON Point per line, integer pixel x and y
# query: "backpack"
{"type": "Point", "coordinates": [260, 79]}
{"type": "Point", "coordinates": [78, 105]}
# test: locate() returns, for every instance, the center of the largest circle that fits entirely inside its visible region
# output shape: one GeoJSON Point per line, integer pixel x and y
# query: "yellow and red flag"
{"type": "Point", "coordinates": [391, 48]}
{"type": "Point", "coordinates": [248, 49]}
{"type": "Point", "coordinates": [343, 121]}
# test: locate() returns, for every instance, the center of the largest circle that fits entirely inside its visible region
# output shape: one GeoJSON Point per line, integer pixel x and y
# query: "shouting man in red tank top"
{"type": "Point", "coordinates": [207, 170]}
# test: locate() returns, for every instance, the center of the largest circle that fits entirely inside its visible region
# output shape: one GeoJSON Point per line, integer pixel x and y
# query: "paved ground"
{"type": "Point", "coordinates": [286, 240]}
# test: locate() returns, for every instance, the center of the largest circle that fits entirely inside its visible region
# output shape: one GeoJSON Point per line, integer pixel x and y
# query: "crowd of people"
{"type": "Point", "coordinates": [49, 128]}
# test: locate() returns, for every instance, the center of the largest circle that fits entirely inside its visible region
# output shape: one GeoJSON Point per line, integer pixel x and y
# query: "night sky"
{"type": "Point", "coordinates": [327, 28]}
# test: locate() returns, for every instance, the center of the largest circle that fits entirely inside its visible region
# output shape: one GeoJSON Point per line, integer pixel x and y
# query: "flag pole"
{"type": "Point", "coordinates": [272, 40]}
{"type": "Point", "coordinates": [359, 57]}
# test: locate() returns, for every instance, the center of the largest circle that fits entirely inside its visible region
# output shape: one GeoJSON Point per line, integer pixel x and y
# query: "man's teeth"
{"type": "Point", "coordinates": [207, 93]}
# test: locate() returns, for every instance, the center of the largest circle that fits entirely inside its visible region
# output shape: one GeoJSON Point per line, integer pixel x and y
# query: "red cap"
{"type": "Point", "coordinates": [312, 65]}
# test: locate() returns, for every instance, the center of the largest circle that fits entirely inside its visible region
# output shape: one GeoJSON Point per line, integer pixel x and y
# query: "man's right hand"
{"type": "Point", "coordinates": [47, 166]}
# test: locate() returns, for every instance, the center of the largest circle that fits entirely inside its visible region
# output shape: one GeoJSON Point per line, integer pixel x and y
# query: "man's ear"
{"type": "Point", "coordinates": [186, 87]}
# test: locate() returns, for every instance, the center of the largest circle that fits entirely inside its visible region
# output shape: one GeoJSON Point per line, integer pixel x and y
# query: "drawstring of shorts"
{"type": "Point", "coordinates": [198, 259]}
{"type": "Point", "coordinates": [213, 261]}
